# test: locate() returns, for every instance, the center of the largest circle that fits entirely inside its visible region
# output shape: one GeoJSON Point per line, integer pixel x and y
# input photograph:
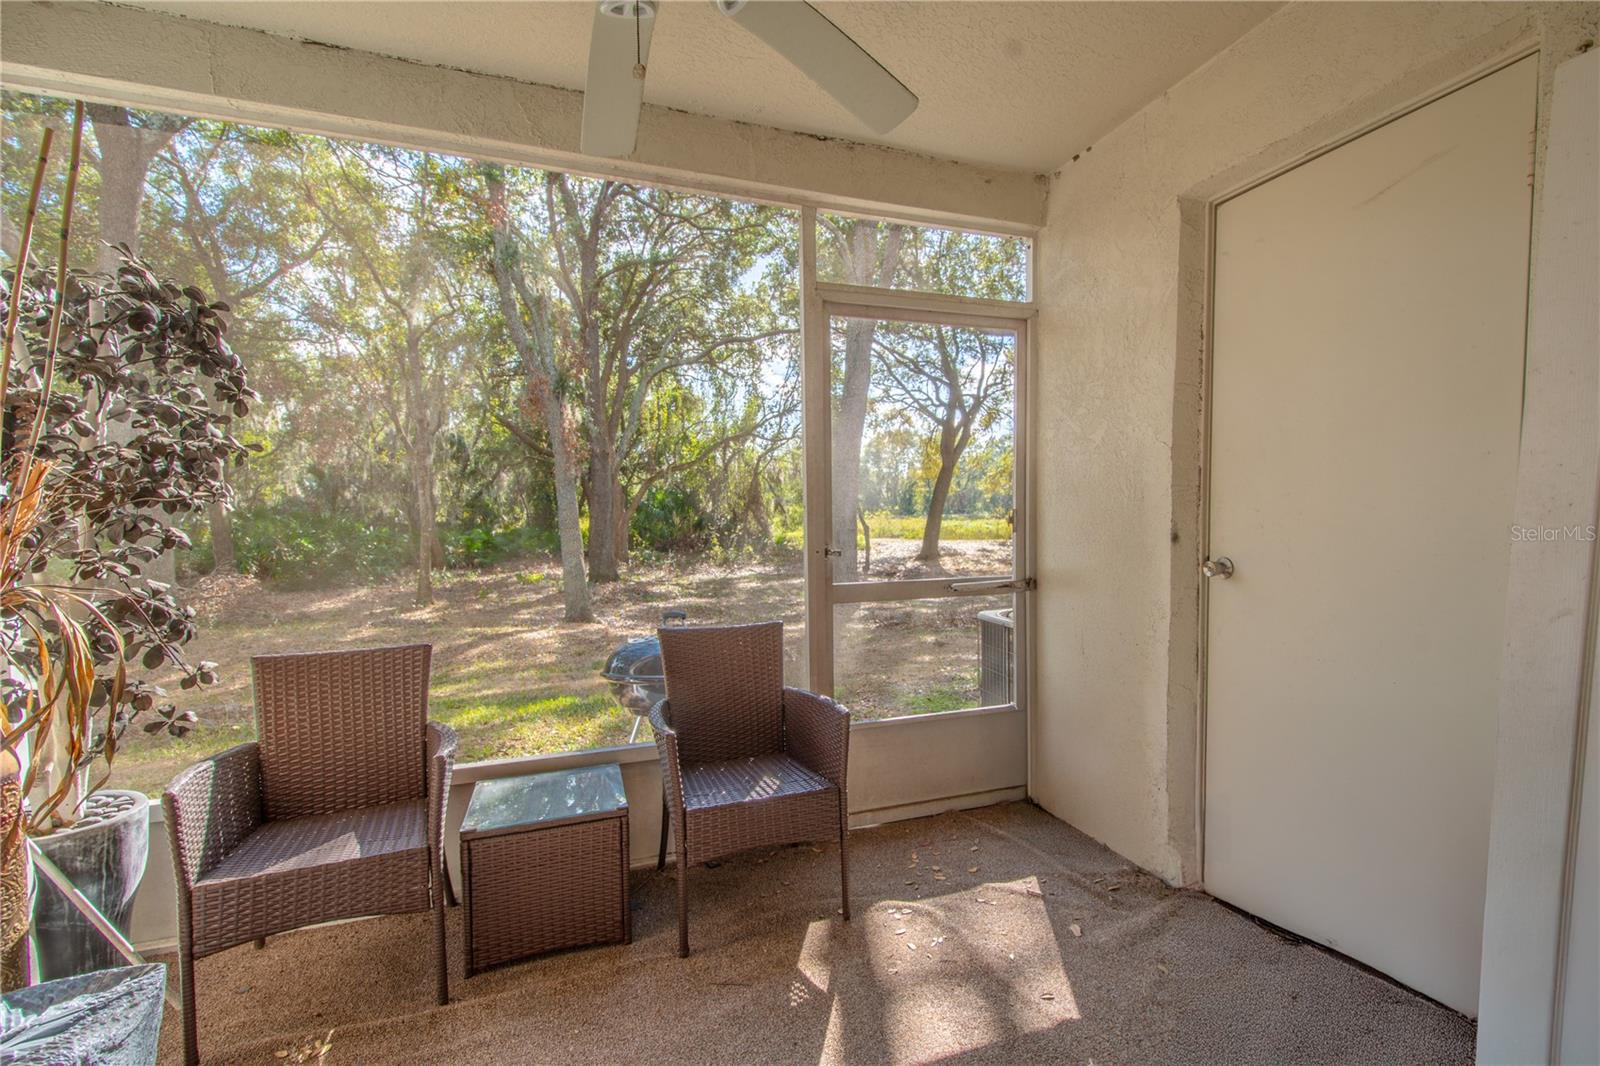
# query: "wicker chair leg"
{"type": "Point", "coordinates": [441, 965]}
{"type": "Point", "coordinates": [844, 864]}
{"type": "Point", "coordinates": [261, 942]}
{"type": "Point", "coordinates": [191, 1028]}
{"type": "Point", "coordinates": [661, 858]}
{"type": "Point", "coordinates": [683, 901]}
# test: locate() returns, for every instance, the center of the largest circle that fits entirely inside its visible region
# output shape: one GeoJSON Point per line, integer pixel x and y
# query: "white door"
{"type": "Point", "coordinates": [1366, 395]}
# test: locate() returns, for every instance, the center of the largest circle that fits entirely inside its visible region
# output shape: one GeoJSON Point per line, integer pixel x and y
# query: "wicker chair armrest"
{"type": "Point", "coordinates": [211, 807]}
{"type": "Point", "coordinates": [816, 732]}
{"type": "Point", "coordinates": [442, 745]}
{"type": "Point", "coordinates": [667, 749]}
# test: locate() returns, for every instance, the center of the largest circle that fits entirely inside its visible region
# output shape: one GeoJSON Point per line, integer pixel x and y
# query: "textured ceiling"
{"type": "Point", "coordinates": [1021, 85]}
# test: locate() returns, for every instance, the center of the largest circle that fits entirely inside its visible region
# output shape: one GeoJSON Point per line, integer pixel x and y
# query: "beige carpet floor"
{"type": "Point", "coordinates": [999, 935]}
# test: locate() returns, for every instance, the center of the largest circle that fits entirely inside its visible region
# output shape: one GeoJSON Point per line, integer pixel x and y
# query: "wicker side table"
{"type": "Point", "coordinates": [544, 864]}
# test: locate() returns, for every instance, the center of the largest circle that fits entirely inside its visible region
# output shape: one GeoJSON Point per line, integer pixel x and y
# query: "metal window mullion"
{"type": "Point", "coordinates": [817, 422]}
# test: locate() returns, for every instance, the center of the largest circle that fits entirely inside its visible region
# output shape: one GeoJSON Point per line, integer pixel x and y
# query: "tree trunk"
{"type": "Point", "coordinates": [622, 543]}
{"type": "Point", "coordinates": [574, 583]}
{"type": "Point", "coordinates": [223, 560]}
{"type": "Point", "coordinates": [427, 528]}
{"type": "Point", "coordinates": [755, 523]}
{"type": "Point", "coordinates": [540, 403]}
{"type": "Point", "coordinates": [123, 165]}
{"type": "Point", "coordinates": [866, 541]}
{"type": "Point", "coordinates": [867, 261]}
{"type": "Point", "coordinates": [849, 425]}
{"type": "Point", "coordinates": [605, 505]}
{"type": "Point", "coordinates": [949, 454]}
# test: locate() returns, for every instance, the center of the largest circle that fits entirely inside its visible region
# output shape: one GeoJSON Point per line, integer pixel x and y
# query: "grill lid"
{"type": "Point", "coordinates": [637, 662]}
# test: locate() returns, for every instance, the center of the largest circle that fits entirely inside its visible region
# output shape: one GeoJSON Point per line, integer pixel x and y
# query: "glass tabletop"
{"type": "Point", "coordinates": [534, 799]}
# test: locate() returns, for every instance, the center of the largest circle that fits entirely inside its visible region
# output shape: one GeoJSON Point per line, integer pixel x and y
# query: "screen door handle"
{"type": "Point", "coordinates": [994, 584]}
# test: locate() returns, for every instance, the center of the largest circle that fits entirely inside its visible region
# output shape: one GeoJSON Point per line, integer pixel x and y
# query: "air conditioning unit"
{"type": "Point", "coordinates": [997, 656]}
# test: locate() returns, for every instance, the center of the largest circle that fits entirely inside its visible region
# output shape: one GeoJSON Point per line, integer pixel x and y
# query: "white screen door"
{"type": "Point", "coordinates": [923, 451]}
{"type": "Point", "coordinates": [1366, 392]}
{"type": "Point", "coordinates": [916, 497]}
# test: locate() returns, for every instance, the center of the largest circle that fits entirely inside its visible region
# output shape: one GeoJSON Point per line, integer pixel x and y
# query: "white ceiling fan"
{"type": "Point", "coordinates": [619, 51]}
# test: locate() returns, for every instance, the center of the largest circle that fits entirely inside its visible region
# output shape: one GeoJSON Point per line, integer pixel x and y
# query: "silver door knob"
{"type": "Point", "coordinates": [1221, 566]}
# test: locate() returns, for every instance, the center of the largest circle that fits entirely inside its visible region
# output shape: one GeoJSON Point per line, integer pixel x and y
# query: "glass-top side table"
{"type": "Point", "coordinates": [544, 864]}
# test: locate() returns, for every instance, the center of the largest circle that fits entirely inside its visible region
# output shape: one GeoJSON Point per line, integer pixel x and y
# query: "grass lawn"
{"type": "Point", "coordinates": [514, 679]}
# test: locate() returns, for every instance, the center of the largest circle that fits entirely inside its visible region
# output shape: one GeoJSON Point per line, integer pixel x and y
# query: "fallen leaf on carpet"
{"type": "Point", "coordinates": [1077, 930]}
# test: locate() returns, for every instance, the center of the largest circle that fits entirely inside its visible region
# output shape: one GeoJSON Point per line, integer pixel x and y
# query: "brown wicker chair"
{"type": "Point", "coordinates": [337, 811]}
{"type": "Point", "coordinates": [745, 762]}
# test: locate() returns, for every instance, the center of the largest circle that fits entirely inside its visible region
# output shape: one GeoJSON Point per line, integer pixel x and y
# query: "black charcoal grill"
{"type": "Point", "coordinates": [634, 670]}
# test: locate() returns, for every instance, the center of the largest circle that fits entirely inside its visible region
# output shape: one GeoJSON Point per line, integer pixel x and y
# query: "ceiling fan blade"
{"type": "Point", "coordinates": [613, 94]}
{"type": "Point", "coordinates": [825, 54]}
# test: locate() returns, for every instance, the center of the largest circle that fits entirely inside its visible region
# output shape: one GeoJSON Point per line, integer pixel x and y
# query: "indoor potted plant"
{"type": "Point", "coordinates": [110, 438]}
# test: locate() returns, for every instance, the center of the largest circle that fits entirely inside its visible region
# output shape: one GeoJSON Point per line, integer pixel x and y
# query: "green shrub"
{"type": "Point", "coordinates": [295, 544]}
{"type": "Point", "coordinates": [671, 520]}
{"type": "Point", "coordinates": [469, 547]}
{"type": "Point", "coordinates": [479, 546]}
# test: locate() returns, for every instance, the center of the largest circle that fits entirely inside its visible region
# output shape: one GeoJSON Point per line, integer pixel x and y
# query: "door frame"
{"type": "Point", "coordinates": [820, 302]}
{"type": "Point", "coordinates": [1207, 362]}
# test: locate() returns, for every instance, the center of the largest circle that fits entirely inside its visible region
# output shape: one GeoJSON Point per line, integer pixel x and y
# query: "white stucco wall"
{"type": "Point", "coordinates": [1121, 269]}
{"type": "Point", "coordinates": [1122, 288]}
